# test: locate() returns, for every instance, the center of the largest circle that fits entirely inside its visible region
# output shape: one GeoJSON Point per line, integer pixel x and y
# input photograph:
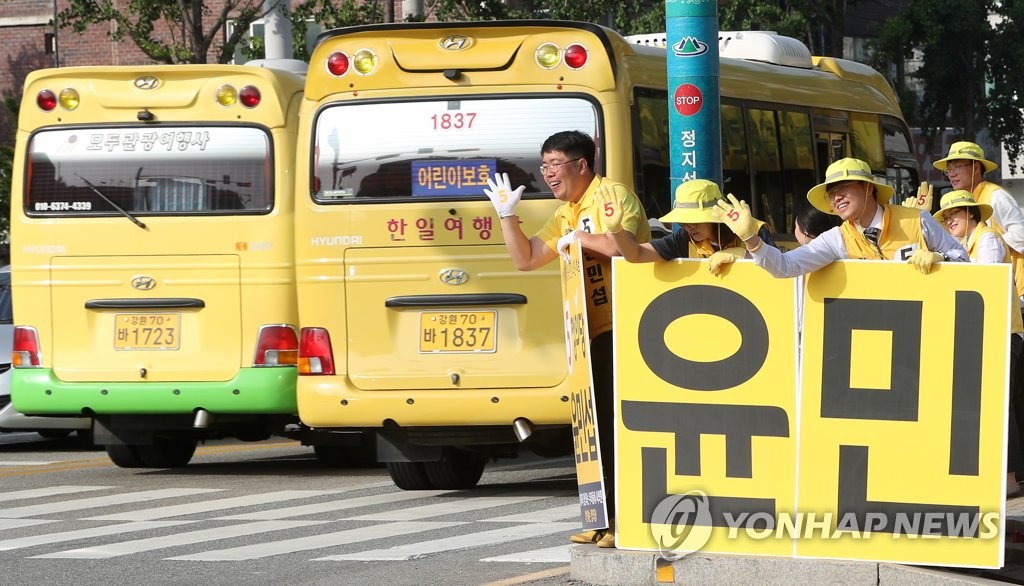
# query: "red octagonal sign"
{"type": "Point", "coordinates": [688, 99]}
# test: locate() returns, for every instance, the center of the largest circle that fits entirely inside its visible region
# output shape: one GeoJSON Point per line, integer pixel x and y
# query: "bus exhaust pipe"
{"type": "Point", "coordinates": [522, 428]}
{"type": "Point", "coordinates": [203, 419]}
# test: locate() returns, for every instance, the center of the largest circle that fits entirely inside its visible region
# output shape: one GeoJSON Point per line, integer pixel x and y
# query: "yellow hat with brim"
{"type": "Point", "coordinates": [694, 202]}
{"type": "Point", "coordinates": [967, 151]}
{"type": "Point", "coordinates": [961, 198]}
{"type": "Point", "coordinates": [847, 170]}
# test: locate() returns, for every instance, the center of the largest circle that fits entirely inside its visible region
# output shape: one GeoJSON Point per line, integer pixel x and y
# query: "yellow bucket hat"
{"type": "Point", "coordinates": [966, 151]}
{"type": "Point", "coordinates": [847, 169]}
{"type": "Point", "coordinates": [961, 198]}
{"type": "Point", "coordinates": [694, 202]}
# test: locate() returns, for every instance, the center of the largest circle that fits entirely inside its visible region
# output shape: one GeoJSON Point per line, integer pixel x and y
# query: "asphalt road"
{"type": "Point", "coordinates": [270, 513]}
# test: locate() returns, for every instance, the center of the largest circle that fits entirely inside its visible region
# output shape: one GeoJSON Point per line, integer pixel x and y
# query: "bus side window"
{"type": "Point", "coordinates": [797, 162]}
{"type": "Point", "coordinates": [651, 151]}
{"type": "Point", "coordinates": [735, 173]}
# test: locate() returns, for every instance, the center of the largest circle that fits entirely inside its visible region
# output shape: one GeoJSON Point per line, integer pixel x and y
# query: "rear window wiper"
{"type": "Point", "coordinates": [124, 212]}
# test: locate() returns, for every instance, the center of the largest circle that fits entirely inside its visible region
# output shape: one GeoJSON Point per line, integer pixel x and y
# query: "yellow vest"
{"type": "Point", "coordinates": [983, 194]}
{"type": "Point", "coordinates": [901, 235]}
{"type": "Point", "coordinates": [1016, 321]}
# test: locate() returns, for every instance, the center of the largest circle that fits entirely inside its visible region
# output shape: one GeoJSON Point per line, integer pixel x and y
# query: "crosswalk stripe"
{"type": "Point", "coordinates": [415, 550]}
{"type": "Point", "coordinates": [211, 505]}
{"type": "Point", "coordinates": [176, 539]}
{"type": "Point", "coordinates": [547, 555]}
{"type": "Point", "coordinates": [451, 506]}
{"type": "Point", "coordinates": [91, 532]}
{"type": "Point", "coordinates": [542, 516]}
{"type": "Point", "coordinates": [331, 506]}
{"type": "Point", "coordinates": [18, 523]}
{"type": "Point", "coordinates": [101, 501]}
{"type": "Point", "coordinates": [33, 493]}
{"type": "Point", "coordinates": [267, 549]}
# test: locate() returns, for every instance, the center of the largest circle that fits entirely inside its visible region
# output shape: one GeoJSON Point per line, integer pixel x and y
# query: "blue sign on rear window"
{"type": "Point", "coordinates": [444, 178]}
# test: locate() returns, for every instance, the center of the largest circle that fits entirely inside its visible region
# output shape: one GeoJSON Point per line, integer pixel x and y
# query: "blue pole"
{"type": "Point", "coordinates": [695, 123]}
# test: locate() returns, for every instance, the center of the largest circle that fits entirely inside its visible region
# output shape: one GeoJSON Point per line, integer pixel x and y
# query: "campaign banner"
{"type": "Point", "coordinates": [586, 443]}
{"type": "Point", "coordinates": [884, 442]}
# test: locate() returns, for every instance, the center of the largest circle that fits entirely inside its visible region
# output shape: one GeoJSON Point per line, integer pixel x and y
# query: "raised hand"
{"type": "Point", "coordinates": [502, 196]}
{"type": "Point", "coordinates": [736, 215]}
{"type": "Point", "coordinates": [610, 204]}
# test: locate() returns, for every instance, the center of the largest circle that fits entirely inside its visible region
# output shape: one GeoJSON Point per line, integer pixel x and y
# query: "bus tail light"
{"type": "Point", "coordinates": [227, 95]}
{"type": "Point", "coordinates": [249, 96]}
{"type": "Point", "coordinates": [576, 56]}
{"type": "Point", "coordinates": [364, 61]}
{"type": "Point", "coordinates": [315, 353]}
{"type": "Point", "coordinates": [337, 64]}
{"type": "Point", "coordinates": [276, 346]}
{"type": "Point", "coordinates": [25, 352]}
{"type": "Point", "coordinates": [46, 100]}
{"type": "Point", "coordinates": [68, 98]}
{"type": "Point", "coordinates": [548, 55]}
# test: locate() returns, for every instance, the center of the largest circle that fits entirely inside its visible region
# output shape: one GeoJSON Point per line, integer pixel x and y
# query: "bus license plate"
{"type": "Point", "coordinates": [147, 331]}
{"type": "Point", "coordinates": [458, 331]}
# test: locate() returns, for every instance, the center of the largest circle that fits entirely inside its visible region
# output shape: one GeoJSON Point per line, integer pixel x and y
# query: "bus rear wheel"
{"type": "Point", "coordinates": [167, 453]}
{"type": "Point", "coordinates": [409, 475]}
{"type": "Point", "coordinates": [457, 469]}
{"type": "Point", "coordinates": [124, 456]}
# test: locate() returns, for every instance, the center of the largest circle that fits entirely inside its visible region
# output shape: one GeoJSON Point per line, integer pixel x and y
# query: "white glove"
{"type": "Point", "coordinates": [502, 196]}
{"type": "Point", "coordinates": [563, 246]}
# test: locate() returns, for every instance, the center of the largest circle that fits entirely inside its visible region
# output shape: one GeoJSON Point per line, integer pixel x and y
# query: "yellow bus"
{"type": "Point", "coordinates": [153, 254]}
{"type": "Point", "coordinates": [414, 322]}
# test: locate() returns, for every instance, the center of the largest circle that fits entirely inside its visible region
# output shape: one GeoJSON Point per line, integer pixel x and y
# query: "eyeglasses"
{"type": "Point", "coordinates": [953, 214]}
{"type": "Point", "coordinates": [954, 169]}
{"type": "Point", "coordinates": [839, 190]}
{"type": "Point", "coordinates": [544, 168]}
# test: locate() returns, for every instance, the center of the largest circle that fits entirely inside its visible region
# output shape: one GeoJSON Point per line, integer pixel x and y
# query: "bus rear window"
{"type": "Point", "coordinates": [163, 170]}
{"type": "Point", "coordinates": [438, 148]}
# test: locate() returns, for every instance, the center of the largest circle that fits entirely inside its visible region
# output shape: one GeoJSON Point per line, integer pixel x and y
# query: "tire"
{"type": "Point", "coordinates": [456, 470]}
{"type": "Point", "coordinates": [167, 453]}
{"type": "Point", "coordinates": [408, 475]}
{"type": "Point", "coordinates": [124, 456]}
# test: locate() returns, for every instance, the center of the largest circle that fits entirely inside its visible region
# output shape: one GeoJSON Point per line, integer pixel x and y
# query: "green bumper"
{"type": "Point", "coordinates": [36, 391]}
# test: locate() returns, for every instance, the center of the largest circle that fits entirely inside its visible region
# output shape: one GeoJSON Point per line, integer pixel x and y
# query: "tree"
{"type": "Point", "coordinates": [818, 23]}
{"type": "Point", "coordinates": [10, 106]}
{"type": "Point", "coordinates": [182, 37]}
{"type": "Point", "coordinates": [952, 39]}
{"type": "Point", "coordinates": [1005, 54]}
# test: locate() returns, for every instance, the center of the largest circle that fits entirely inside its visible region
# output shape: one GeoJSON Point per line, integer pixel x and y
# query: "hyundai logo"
{"type": "Point", "coordinates": [453, 276]}
{"type": "Point", "coordinates": [147, 82]}
{"type": "Point", "coordinates": [456, 42]}
{"type": "Point", "coordinates": [143, 283]}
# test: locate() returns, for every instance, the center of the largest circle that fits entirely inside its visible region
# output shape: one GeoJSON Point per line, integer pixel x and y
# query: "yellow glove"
{"type": "Point", "coordinates": [736, 215]}
{"type": "Point", "coordinates": [923, 199]}
{"type": "Point", "coordinates": [923, 259]}
{"type": "Point", "coordinates": [718, 260]}
{"type": "Point", "coordinates": [610, 204]}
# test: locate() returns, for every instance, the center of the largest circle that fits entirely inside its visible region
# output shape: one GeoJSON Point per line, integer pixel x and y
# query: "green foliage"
{"type": "Point", "coordinates": [330, 15]}
{"type": "Point", "coordinates": [180, 36]}
{"type": "Point", "coordinates": [1005, 56]}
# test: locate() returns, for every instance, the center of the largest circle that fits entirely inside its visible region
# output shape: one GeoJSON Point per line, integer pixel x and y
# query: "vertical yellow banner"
{"type": "Point", "coordinates": [586, 443]}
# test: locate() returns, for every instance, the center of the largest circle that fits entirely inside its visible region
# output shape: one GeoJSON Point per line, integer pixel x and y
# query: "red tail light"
{"type": "Point", "coordinates": [276, 346]}
{"type": "Point", "coordinates": [337, 64]}
{"type": "Point", "coordinates": [315, 353]}
{"type": "Point", "coordinates": [576, 56]}
{"type": "Point", "coordinates": [46, 100]}
{"type": "Point", "coordinates": [249, 96]}
{"type": "Point", "coordinates": [25, 353]}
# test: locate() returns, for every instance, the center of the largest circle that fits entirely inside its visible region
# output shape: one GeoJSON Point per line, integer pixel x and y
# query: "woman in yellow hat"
{"type": "Point", "coordinates": [965, 219]}
{"type": "Point", "coordinates": [702, 236]}
{"type": "Point", "coordinates": [872, 228]}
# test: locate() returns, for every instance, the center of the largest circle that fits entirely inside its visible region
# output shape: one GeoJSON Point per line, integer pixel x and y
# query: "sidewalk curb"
{"type": "Point", "coordinates": [615, 567]}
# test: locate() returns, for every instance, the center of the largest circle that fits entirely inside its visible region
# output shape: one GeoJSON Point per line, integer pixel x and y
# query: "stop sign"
{"type": "Point", "coordinates": [688, 99]}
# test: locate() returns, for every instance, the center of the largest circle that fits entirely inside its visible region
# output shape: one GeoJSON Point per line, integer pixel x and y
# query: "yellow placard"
{"type": "Point", "coordinates": [887, 443]}
{"type": "Point", "coordinates": [903, 411]}
{"type": "Point", "coordinates": [706, 397]}
{"type": "Point", "coordinates": [586, 443]}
